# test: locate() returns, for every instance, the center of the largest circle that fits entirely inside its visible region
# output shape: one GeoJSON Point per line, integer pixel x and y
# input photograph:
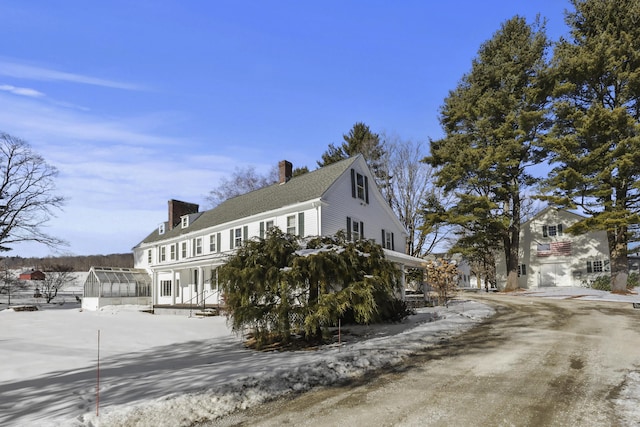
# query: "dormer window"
{"type": "Point", "coordinates": [161, 229]}
{"type": "Point", "coordinates": [185, 221]}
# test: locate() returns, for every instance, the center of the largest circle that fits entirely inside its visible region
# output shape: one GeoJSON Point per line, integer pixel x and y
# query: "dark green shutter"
{"type": "Point", "coordinates": [348, 229]}
{"type": "Point", "coordinates": [353, 184]}
{"type": "Point", "coordinates": [245, 233]}
{"type": "Point", "coordinates": [262, 229]}
{"type": "Point", "coordinates": [366, 189]}
{"type": "Point", "coordinates": [231, 239]}
{"type": "Point", "coordinates": [301, 224]}
{"type": "Point", "coordinates": [218, 239]}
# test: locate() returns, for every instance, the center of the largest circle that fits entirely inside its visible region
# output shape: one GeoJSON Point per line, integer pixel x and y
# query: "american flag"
{"type": "Point", "coordinates": [555, 248]}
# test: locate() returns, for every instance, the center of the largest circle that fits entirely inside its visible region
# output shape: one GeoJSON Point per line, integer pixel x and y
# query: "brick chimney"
{"type": "Point", "coordinates": [286, 171]}
{"type": "Point", "coordinates": [178, 209]}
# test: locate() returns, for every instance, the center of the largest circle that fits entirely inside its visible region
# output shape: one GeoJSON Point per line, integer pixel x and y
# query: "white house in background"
{"type": "Point", "coordinates": [182, 254]}
{"type": "Point", "coordinates": [551, 257]}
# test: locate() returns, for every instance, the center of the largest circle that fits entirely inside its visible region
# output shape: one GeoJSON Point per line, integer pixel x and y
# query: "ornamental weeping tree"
{"type": "Point", "coordinates": [493, 122]}
{"type": "Point", "coordinates": [258, 291]}
{"type": "Point", "coordinates": [275, 287]}
{"type": "Point", "coordinates": [595, 143]}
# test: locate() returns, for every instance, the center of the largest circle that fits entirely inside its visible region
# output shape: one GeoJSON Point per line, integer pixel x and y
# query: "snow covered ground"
{"type": "Point", "coordinates": [170, 370]}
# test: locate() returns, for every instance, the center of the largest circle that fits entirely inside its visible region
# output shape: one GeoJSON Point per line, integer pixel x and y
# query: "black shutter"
{"type": "Point", "coordinates": [366, 189]}
{"type": "Point", "coordinates": [524, 269]}
{"type": "Point", "coordinates": [393, 242]}
{"type": "Point", "coordinates": [361, 230]}
{"type": "Point", "coordinates": [559, 229]}
{"type": "Point", "coordinates": [301, 224]}
{"type": "Point", "coordinates": [348, 229]}
{"type": "Point", "coordinates": [384, 240]}
{"type": "Point", "coordinates": [544, 231]}
{"type": "Point", "coordinates": [353, 184]}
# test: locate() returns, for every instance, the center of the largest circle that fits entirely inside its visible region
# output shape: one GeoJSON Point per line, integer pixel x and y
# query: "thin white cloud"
{"type": "Point", "coordinates": [30, 72]}
{"type": "Point", "coordinates": [22, 91]}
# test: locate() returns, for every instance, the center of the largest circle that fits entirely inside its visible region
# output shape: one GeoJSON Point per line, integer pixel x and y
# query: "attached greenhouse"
{"type": "Point", "coordinates": [116, 286]}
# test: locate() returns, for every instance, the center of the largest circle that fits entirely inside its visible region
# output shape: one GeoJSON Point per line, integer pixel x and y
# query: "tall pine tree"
{"type": "Point", "coordinates": [493, 122]}
{"type": "Point", "coordinates": [595, 142]}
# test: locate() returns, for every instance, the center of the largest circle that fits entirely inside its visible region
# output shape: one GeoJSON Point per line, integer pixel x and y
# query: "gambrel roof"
{"type": "Point", "coordinates": [309, 186]}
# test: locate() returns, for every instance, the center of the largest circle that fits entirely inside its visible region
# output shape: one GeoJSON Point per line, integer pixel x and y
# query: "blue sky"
{"type": "Point", "coordinates": [138, 102]}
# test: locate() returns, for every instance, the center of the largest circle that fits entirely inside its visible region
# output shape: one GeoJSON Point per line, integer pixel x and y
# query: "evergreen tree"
{"type": "Point", "coordinates": [360, 140]}
{"type": "Point", "coordinates": [595, 142]}
{"type": "Point", "coordinates": [493, 122]}
{"type": "Point", "coordinates": [275, 287]}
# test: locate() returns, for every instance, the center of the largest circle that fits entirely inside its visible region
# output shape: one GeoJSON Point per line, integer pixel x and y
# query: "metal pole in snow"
{"type": "Point", "coordinates": [98, 379]}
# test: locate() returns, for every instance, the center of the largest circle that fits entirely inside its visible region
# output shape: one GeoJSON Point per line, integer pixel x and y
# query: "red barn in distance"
{"type": "Point", "coordinates": [32, 275]}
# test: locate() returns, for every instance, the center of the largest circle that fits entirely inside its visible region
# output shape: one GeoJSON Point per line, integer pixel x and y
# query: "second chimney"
{"type": "Point", "coordinates": [286, 171]}
{"type": "Point", "coordinates": [177, 209]}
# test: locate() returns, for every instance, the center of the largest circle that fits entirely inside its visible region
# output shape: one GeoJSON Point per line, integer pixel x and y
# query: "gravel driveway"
{"type": "Point", "coordinates": [537, 362]}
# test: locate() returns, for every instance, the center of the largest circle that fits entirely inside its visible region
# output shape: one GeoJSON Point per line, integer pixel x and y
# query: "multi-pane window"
{"type": "Point", "coordinates": [291, 224]}
{"type": "Point", "coordinates": [355, 229]}
{"type": "Point", "coordinates": [149, 256]}
{"type": "Point", "coordinates": [197, 246]}
{"type": "Point", "coordinates": [237, 237]}
{"type": "Point", "coordinates": [522, 270]}
{"type": "Point", "coordinates": [183, 250]}
{"type": "Point", "coordinates": [387, 239]}
{"type": "Point", "coordinates": [597, 266]}
{"type": "Point", "coordinates": [552, 230]}
{"type": "Point", "coordinates": [165, 288]}
{"type": "Point", "coordinates": [265, 226]}
{"type": "Point", "coordinates": [185, 221]}
{"type": "Point", "coordinates": [172, 252]}
{"type": "Point", "coordinates": [213, 243]}
{"type": "Point", "coordinates": [163, 253]}
{"type": "Point", "coordinates": [359, 186]}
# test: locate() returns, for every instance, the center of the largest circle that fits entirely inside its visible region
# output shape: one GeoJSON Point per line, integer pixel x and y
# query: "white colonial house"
{"type": "Point", "coordinates": [549, 256]}
{"type": "Point", "coordinates": [182, 254]}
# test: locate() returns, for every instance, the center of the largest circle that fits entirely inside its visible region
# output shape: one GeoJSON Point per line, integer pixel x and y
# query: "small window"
{"type": "Point", "coordinates": [265, 226]}
{"type": "Point", "coordinates": [359, 186]}
{"type": "Point", "coordinates": [291, 224]}
{"type": "Point", "coordinates": [237, 239]}
{"type": "Point", "coordinates": [185, 221]}
{"type": "Point", "coordinates": [163, 253]}
{"type": "Point", "coordinates": [387, 240]}
{"type": "Point", "coordinates": [161, 228]}
{"type": "Point", "coordinates": [184, 250]}
{"type": "Point", "coordinates": [149, 256]}
{"type": "Point", "coordinates": [213, 243]}
{"type": "Point", "coordinates": [197, 246]}
{"type": "Point", "coordinates": [172, 253]}
{"type": "Point", "coordinates": [355, 229]}
{"type": "Point", "coordinates": [165, 288]}
{"type": "Point", "coordinates": [522, 270]}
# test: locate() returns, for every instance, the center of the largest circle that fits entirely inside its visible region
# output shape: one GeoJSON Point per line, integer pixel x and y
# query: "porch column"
{"type": "Point", "coordinates": [402, 282]}
{"type": "Point", "coordinates": [154, 288]}
{"type": "Point", "coordinates": [174, 287]}
{"type": "Point", "coordinates": [201, 282]}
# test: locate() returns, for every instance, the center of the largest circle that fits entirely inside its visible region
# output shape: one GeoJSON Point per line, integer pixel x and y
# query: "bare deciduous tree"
{"type": "Point", "coordinates": [411, 193]}
{"type": "Point", "coordinates": [56, 278]}
{"type": "Point", "coordinates": [26, 194]}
